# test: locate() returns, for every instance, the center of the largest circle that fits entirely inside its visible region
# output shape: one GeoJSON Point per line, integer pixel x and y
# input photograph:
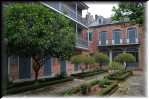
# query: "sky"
{"type": "Point", "coordinates": [100, 8]}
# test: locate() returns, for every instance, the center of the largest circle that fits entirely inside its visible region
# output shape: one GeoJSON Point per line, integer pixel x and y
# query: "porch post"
{"type": "Point", "coordinates": [110, 55]}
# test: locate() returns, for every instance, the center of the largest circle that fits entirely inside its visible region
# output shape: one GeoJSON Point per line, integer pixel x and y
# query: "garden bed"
{"type": "Point", "coordinates": [87, 74]}
{"type": "Point", "coordinates": [96, 87]}
{"type": "Point", "coordinates": [31, 85]}
{"type": "Point", "coordinates": [119, 76]}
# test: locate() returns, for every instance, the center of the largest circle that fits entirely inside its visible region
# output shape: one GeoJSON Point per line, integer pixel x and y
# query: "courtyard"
{"type": "Point", "coordinates": [133, 86]}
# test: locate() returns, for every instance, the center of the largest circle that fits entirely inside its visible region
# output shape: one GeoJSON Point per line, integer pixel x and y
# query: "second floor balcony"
{"type": "Point", "coordinates": [82, 44]}
{"type": "Point", "coordinates": [65, 9]}
{"type": "Point", "coordinates": [124, 41]}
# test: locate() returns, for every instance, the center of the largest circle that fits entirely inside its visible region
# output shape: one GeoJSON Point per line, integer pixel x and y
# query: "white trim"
{"type": "Point", "coordinates": [121, 41]}
{"type": "Point", "coordinates": [99, 42]}
{"type": "Point", "coordinates": [63, 14]}
{"type": "Point", "coordinates": [127, 40]}
{"type": "Point", "coordinates": [137, 40]}
{"type": "Point", "coordinates": [112, 41]}
{"type": "Point", "coordinates": [107, 42]}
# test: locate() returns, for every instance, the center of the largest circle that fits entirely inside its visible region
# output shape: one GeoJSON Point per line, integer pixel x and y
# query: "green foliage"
{"type": "Point", "coordinates": [132, 10]}
{"type": "Point", "coordinates": [82, 59]}
{"type": "Point", "coordinates": [83, 89]}
{"type": "Point", "coordinates": [76, 59]}
{"type": "Point", "coordinates": [108, 89]}
{"type": "Point", "coordinates": [33, 29]}
{"type": "Point", "coordinates": [125, 57]}
{"type": "Point", "coordinates": [115, 66]}
{"type": "Point", "coordinates": [88, 60]}
{"type": "Point", "coordinates": [101, 58]}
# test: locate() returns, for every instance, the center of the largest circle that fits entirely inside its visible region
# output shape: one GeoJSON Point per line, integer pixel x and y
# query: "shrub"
{"type": "Point", "coordinates": [83, 89]}
{"type": "Point", "coordinates": [116, 67]}
{"type": "Point", "coordinates": [125, 57]}
{"type": "Point", "coordinates": [101, 58]}
{"type": "Point", "coordinates": [83, 59]}
{"type": "Point", "coordinates": [106, 90]}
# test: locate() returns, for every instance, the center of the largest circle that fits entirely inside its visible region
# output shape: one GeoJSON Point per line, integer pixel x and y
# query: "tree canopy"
{"type": "Point", "coordinates": [101, 58]}
{"type": "Point", "coordinates": [134, 11]}
{"type": "Point", "coordinates": [125, 57]}
{"type": "Point", "coordinates": [33, 29]}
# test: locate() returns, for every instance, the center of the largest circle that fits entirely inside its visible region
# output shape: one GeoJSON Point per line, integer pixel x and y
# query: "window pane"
{"type": "Point", "coordinates": [13, 60]}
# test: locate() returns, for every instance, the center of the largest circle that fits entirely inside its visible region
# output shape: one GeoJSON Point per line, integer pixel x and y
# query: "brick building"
{"type": "Point", "coordinates": [115, 38]}
{"type": "Point", "coordinates": [110, 38]}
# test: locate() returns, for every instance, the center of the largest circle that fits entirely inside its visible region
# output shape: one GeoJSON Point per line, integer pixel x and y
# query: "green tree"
{"type": "Point", "coordinates": [83, 59]}
{"type": "Point", "coordinates": [101, 58]}
{"type": "Point", "coordinates": [36, 31]}
{"type": "Point", "coordinates": [132, 10]}
{"type": "Point", "coordinates": [125, 58]}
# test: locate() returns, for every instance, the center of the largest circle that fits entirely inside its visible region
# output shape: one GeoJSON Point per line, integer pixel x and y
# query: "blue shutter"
{"type": "Point", "coordinates": [116, 36]}
{"type": "Point", "coordinates": [63, 65]}
{"type": "Point", "coordinates": [47, 67]}
{"type": "Point", "coordinates": [24, 67]}
{"type": "Point", "coordinates": [103, 37]}
{"type": "Point", "coordinates": [90, 36]}
{"type": "Point", "coordinates": [132, 35]}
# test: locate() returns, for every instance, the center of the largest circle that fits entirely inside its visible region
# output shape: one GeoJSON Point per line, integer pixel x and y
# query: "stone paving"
{"type": "Point", "coordinates": [133, 86]}
{"type": "Point", "coordinates": [53, 90]}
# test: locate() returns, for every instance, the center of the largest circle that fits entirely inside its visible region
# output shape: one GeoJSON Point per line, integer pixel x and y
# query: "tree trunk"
{"type": "Point", "coordinates": [100, 65]}
{"type": "Point", "coordinates": [36, 67]}
{"type": "Point", "coordinates": [36, 75]}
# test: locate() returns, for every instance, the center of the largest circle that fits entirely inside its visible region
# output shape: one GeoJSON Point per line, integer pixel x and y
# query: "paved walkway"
{"type": "Point", "coordinates": [53, 90]}
{"type": "Point", "coordinates": [133, 86]}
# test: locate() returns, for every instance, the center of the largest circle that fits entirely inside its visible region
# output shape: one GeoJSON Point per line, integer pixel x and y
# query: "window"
{"type": "Point", "coordinates": [90, 36]}
{"type": "Point", "coordinates": [103, 37]}
{"type": "Point", "coordinates": [116, 36]}
{"type": "Point", "coordinates": [132, 35]}
{"type": "Point", "coordinates": [13, 59]}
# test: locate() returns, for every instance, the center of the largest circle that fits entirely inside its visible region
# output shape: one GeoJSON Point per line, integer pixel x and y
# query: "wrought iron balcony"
{"type": "Point", "coordinates": [61, 7]}
{"type": "Point", "coordinates": [124, 41]}
{"type": "Point", "coordinates": [81, 43]}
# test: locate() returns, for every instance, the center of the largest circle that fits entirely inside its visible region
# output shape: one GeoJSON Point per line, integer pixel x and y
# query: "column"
{"type": "Point", "coordinates": [110, 55]}
{"type": "Point", "coordinates": [4, 66]}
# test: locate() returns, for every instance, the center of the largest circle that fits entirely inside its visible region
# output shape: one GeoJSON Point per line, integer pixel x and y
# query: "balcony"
{"type": "Point", "coordinates": [125, 41]}
{"type": "Point", "coordinates": [63, 8]}
{"type": "Point", "coordinates": [81, 43]}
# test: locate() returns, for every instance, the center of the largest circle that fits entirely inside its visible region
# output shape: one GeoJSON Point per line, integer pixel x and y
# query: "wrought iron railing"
{"type": "Point", "coordinates": [123, 41]}
{"type": "Point", "coordinates": [66, 10]}
{"type": "Point", "coordinates": [81, 43]}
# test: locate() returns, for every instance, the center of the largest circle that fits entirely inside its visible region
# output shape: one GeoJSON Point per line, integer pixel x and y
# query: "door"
{"type": "Point", "coordinates": [63, 65]}
{"type": "Point", "coordinates": [132, 35]}
{"type": "Point", "coordinates": [103, 38]}
{"type": "Point", "coordinates": [116, 36]}
{"type": "Point", "coordinates": [47, 67]}
{"type": "Point", "coordinates": [24, 67]}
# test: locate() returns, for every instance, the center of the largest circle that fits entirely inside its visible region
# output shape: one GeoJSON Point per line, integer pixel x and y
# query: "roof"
{"type": "Point", "coordinates": [106, 24]}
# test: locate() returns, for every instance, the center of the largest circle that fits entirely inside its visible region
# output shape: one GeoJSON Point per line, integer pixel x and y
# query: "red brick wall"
{"type": "Point", "coordinates": [55, 66]}
{"type": "Point", "coordinates": [69, 68]}
{"type": "Point", "coordinates": [14, 72]}
{"type": "Point", "coordinates": [92, 44]}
